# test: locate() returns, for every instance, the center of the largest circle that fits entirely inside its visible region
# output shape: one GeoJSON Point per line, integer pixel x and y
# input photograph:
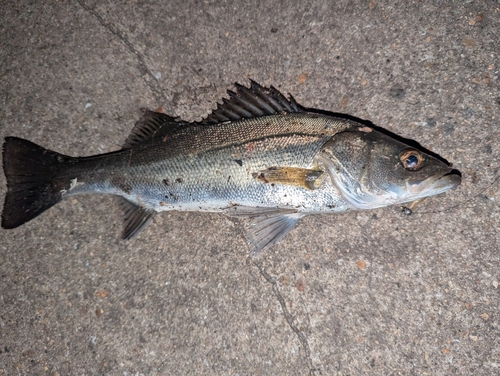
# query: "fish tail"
{"type": "Point", "coordinates": [35, 180]}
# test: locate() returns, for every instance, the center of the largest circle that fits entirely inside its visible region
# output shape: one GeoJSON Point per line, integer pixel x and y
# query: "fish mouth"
{"type": "Point", "coordinates": [437, 184]}
{"type": "Point", "coordinates": [451, 180]}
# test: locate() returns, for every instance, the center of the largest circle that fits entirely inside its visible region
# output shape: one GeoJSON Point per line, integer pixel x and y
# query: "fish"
{"type": "Point", "coordinates": [259, 155]}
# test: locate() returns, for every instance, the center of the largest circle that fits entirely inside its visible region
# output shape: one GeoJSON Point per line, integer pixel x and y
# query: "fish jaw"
{"type": "Point", "coordinates": [416, 191]}
{"type": "Point", "coordinates": [434, 186]}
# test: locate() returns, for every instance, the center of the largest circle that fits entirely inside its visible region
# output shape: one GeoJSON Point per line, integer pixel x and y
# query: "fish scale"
{"type": "Point", "coordinates": [213, 180]}
{"type": "Point", "coordinates": [205, 166]}
{"type": "Point", "coordinates": [195, 138]}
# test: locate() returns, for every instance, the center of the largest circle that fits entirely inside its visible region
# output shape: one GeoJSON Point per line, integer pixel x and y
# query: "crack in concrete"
{"type": "Point", "coordinates": [153, 83]}
{"type": "Point", "coordinates": [288, 316]}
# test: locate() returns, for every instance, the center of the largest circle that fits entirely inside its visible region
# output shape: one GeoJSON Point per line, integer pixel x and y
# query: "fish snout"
{"type": "Point", "coordinates": [450, 180]}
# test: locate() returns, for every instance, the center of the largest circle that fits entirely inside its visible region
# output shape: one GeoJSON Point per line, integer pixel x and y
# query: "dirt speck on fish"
{"type": "Point", "coordinates": [259, 155]}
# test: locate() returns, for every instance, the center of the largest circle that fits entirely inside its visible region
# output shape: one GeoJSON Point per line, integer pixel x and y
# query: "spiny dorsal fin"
{"type": "Point", "coordinates": [152, 125]}
{"type": "Point", "coordinates": [243, 103]}
{"type": "Point", "coordinates": [251, 102]}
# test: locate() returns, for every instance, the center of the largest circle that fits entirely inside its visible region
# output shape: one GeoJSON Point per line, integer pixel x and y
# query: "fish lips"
{"type": "Point", "coordinates": [450, 180]}
{"type": "Point", "coordinates": [437, 184]}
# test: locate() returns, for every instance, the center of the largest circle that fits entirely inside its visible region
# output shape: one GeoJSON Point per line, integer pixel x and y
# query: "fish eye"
{"type": "Point", "coordinates": [411, 159]}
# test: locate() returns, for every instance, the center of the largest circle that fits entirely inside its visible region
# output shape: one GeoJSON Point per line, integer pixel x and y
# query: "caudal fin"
{"type": "Point", "coordinates": [34, 181]}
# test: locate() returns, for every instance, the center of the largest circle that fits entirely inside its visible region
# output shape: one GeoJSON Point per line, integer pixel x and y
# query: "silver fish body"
{"type": "Point", "coordinates": [215, 174]}
{"type": "Point", "coordinates": [259, 155]}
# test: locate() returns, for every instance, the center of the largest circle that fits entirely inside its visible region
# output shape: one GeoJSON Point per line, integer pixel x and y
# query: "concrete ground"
{"type": "Point", "coordinates": [373, 292]}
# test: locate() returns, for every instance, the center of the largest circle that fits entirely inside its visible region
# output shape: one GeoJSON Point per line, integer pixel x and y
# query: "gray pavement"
{"type": "Point", "coordinates": [363, 293]}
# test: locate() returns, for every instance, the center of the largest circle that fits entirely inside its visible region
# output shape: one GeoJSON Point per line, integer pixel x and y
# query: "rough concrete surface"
{"type": "Point", "coordinates": [373, 292]}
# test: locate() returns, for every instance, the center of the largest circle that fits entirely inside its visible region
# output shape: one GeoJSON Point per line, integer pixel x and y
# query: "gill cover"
{"type": "Point", "coordinates": [371, 170]}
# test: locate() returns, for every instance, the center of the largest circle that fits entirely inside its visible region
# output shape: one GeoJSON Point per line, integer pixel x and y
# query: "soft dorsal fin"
{"type": "Point", "coordinates": [251, 102]}
{"type": "Point", "coordinates": [151, 126]}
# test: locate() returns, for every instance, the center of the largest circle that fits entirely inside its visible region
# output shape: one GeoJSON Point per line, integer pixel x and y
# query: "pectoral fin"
{"type": "Point", "coordinates": [136, 218]}
{"type": "Point", "coordinates": [299, 177]}
{"type": "Point", "coordinates": [267, 225]}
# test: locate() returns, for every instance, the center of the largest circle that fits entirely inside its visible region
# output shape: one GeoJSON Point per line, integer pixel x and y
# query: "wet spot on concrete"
{"type": "Point", "coordinates": [430, 122]}
{"type": "Point", "coordinates": [397, 92]}
{"type": "Point", "coordinates": [448, 128]}
{"type": "Point", "coordinates": [469, 112]}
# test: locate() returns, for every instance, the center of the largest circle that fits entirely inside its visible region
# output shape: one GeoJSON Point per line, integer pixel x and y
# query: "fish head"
{"type": "Point", "coordinates": [371, 169]}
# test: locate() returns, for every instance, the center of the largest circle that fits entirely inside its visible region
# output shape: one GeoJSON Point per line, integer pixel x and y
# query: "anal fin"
{"type": "Point", "coordinates": [136, 218]}
{"type": "Point", "coordinates": [296, 176]}
{"type": "Point", "coordinates": [267, 225]}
